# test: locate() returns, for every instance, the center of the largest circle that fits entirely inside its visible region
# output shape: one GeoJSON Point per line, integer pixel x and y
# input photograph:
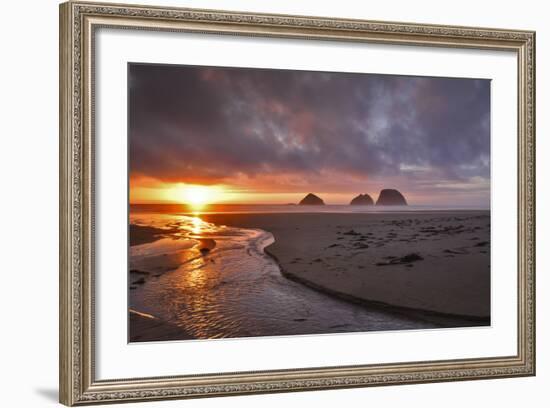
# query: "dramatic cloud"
{"type": "Point", "coordinates": [297, 131]}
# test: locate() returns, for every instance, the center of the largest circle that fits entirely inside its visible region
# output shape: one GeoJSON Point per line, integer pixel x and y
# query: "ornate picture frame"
{"type": "Point", "coordinates": [78, 24]}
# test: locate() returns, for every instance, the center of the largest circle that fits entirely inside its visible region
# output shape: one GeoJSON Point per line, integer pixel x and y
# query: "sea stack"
{"type": "Point", "coordinates": [390, 196]}
{"type": "Point", "coordinates": [312, 199]}
{"type": "Point", "coordinates": [362, 199]}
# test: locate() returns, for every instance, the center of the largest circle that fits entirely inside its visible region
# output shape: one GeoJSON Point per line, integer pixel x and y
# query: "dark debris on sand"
{"type": "Point", "coordinates": [407, 259]}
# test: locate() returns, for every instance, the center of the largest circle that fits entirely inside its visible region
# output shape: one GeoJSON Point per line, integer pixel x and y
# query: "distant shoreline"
{"type": "Point", "coordinates": [458, 208]}
{"type": "Point", "coordinates": [242, 209]}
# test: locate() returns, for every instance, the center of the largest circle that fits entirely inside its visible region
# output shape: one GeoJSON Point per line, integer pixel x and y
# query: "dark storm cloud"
{"type": "Point", "coordinates": [212, 125]}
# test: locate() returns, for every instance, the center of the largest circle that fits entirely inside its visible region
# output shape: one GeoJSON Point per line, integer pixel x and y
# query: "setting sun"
{"type": "Point", "coordinates": [196, 195]}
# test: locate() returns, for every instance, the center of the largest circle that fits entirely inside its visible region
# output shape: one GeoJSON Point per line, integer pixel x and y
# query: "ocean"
{"type": "Point", "coordinates": [288, 208]}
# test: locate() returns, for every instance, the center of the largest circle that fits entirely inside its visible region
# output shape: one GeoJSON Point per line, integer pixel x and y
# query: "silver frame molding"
{"type": "Point", "coordinates": [78, 22]}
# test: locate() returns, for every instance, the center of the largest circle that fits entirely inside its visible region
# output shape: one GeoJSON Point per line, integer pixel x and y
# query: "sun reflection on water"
{"type": "Point", "coordinates": [197, 225]}
{"type": "Point", "coordinates": [196, 278]}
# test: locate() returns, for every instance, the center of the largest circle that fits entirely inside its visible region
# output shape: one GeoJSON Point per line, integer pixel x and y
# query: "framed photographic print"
{"type": "Point", "coordinates": [262, 203]}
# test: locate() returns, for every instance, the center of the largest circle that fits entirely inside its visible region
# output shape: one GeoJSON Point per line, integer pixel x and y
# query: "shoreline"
{"type": "Point", "coordinates": [430, 316]}
{"type": "Point", "coordinates": [433, 266]}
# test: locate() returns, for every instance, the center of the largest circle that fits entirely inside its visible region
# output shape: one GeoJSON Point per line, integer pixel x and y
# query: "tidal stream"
{"type": "Point", "coordinates": [234, 289]}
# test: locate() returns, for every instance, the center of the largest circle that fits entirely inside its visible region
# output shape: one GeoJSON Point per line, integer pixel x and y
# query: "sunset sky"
{"type": "Point", "coordinates": [237, 135]}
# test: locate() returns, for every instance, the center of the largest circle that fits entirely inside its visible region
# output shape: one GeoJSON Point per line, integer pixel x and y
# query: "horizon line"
{"type": "Point", "coordinates": [297, 204]}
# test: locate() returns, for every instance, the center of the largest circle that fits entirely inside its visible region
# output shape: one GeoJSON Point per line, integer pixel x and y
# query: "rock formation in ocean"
{"type": "Point", "coordinates": [311, 199]}
{"type": "Point", "coordinates": [362, 199]}
{"type": "Point", "coordinates": [391, 197]}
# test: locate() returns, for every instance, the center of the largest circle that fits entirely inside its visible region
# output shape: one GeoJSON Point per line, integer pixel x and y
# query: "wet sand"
{"type": "Point", "coordinates": [146, 327]}
{"type": "Point", "coordinates": [140, 234]}
{"type": "Point", "coordinates": [215, 281]}
{"type": "Point", "coordinates": [427, 264]}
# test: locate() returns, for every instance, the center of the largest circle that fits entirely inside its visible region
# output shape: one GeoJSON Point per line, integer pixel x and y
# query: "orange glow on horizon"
{"type": "Point", "coordinates": [200, 196]}
{"type": "Point", "coordinates": [194, 195]}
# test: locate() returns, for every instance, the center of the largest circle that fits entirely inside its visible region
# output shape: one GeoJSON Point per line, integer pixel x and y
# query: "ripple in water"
{"type": "Point", "coordinates": [233, 289]}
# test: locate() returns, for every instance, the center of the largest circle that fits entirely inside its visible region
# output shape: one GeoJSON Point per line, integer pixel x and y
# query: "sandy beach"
{"type": "Point", "coordinates": [146, 327]}
{"type": "Point", "coordinates": [432, 263]}
{"type": "Point", "coordinates": [258, 274]}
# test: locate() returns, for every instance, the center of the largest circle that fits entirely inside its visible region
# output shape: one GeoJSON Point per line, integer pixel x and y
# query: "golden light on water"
{"type": "Point", "coordinates": [197, 225]}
